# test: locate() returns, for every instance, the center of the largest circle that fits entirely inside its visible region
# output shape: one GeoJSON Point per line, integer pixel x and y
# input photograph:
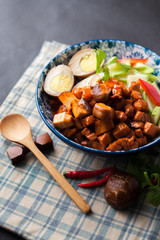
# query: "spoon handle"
{"type": "Point", "coordinates": [72, 193]}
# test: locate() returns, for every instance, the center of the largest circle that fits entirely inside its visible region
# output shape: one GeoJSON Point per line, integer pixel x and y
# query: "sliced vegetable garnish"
{"type": "Point", "coordinates": [143, 68]}
{"type": "Point", "coordinates": [151, 105]}
{"type": "Point", "coordinates": [122, 78]}
{"type": "Point", "coordinates": [117, 69]}
{"type": "Point", "coordinates": [135, 77]}
{"type": "Point", "coordinates": [150, 77]}
{"type": "Point", "coordinates": [155, 118]}
{"type": "Point", "coordinates": [127, 70]}
{"type": "Point", "coordinates": [127, 66]}
{"type": "Point", "coordinates": [156, 86]}
{"type": "Point", "coordinates": [156, 111]}
{"type": "Point", "coordinates": [132, 61]}
{"type": "Point", "coordinates": [155, 114]}
{"type": "Point", "coordinates": [151, 92]}
{"type": "Point", "coordinates": [153, 77]}
{"type": "Point", "coordinates": [112, 60]}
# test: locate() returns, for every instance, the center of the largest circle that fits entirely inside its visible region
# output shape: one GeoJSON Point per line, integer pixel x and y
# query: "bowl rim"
{"type": "Point", "coordinates": [69, 141]}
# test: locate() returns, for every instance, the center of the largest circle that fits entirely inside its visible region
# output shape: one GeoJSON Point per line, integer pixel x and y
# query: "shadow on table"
{"type": "Point", "coordinates": [9, 235]}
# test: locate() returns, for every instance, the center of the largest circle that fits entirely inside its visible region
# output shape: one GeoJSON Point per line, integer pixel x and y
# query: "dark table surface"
{"type": "Point", "coordinates": [25, 25]}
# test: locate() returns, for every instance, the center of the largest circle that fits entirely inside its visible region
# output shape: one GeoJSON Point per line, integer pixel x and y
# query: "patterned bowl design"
{"type": "Point", "coordinates": [117, 48]}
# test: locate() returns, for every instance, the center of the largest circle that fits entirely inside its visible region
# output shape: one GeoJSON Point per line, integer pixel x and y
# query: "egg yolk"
{"type": "Point", "coordinates": [88, 62]}
{"type": "Point", "coordinates": [61, 83]}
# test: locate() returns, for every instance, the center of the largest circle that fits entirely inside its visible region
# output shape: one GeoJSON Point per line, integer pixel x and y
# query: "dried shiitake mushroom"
{"type": "Point", "coordinates": [121, 190]}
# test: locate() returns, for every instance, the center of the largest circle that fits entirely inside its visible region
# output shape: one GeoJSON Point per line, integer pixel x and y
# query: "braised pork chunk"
{"type": "Point", "coordinates": [107, 116]}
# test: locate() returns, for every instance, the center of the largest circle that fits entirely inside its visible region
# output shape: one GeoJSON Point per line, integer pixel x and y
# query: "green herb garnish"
{"type": "Point", "coordinates": [100, 56]}
{"type": "Point", "coordinates": [153, 197]}
{"type": "Point", "coordinates": [144, 168]}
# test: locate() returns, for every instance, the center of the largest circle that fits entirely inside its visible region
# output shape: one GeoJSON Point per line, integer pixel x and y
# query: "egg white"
{"type": "Point", "coordinates": [58, 70]}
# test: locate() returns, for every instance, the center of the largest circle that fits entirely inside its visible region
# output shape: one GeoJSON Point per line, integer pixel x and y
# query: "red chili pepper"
{"type": "Point", "coordinates": [132, 61]}
{"type": "Point", "coordinates": [86, 174]}
{"type": "Point", "coordinates": [151, 92]}
{"type": "Point", "coordinates": [99, 182]}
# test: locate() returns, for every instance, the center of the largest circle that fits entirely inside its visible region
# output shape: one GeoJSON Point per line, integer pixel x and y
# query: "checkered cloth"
{"type": "Point", "coordinates": [33, 205]}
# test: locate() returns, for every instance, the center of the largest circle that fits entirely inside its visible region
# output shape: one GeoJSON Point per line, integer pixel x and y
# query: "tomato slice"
{"type": "Point", "coordinates": [151, 92]}
{"type": "Point", "coordinates": [133, 61]}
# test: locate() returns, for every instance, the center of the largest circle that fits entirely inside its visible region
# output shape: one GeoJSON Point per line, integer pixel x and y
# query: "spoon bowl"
{"type": "Point", "coordinates": [16, 128]}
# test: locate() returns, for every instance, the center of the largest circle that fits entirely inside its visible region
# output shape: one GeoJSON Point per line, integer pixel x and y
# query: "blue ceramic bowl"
{"type": "Point", "coordinates": [117, 48]}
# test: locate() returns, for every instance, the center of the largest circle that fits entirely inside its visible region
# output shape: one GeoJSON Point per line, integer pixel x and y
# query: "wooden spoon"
{"type": "Point", "coordinates": [15, 127]}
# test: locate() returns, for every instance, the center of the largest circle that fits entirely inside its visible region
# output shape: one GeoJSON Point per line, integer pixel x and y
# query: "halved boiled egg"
{"type": "Point", "coordinates": [83, 63]}
{"type": "Point", "coordinates": [59, 79]}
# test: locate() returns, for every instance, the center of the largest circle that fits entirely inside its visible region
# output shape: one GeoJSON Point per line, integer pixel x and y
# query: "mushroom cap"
{"type": "Point", "coordinates": [121, 190]}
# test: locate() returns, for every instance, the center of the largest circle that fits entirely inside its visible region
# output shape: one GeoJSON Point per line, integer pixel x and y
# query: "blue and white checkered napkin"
{"type": "Point", "coordinates": [32, 203]}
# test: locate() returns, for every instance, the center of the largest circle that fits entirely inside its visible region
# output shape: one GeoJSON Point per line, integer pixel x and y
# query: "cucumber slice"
{"type": "Point", "coordinates": [116, 69]}
{"type": "Point", "coordinates": [156, 86]}
{"type": "Point", "coordinates": [127, 66]}
{"type": "Point", "coordinates": [143, 68]}
{"type": "Point", "coordinates": [155, 115]}
{"type": "Point", "coordinates": [112, 60]}
{"type": "Point", "coordinates": [122, 78]}
{"type": "Point", "coordinates": [131, 78]}
{"type": "Point", "coordinates": [151, 106]}
{"type": "Point", "coordinates": [144, 96]}
{"type": "Point", "coordinates": [153, 109]}
{"type": "Point", "coordinates": [154, 112]}
{"type": "Point", "coordinates": [153, 77]}
{"type": "Point", "coordinates": [134, 71]}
